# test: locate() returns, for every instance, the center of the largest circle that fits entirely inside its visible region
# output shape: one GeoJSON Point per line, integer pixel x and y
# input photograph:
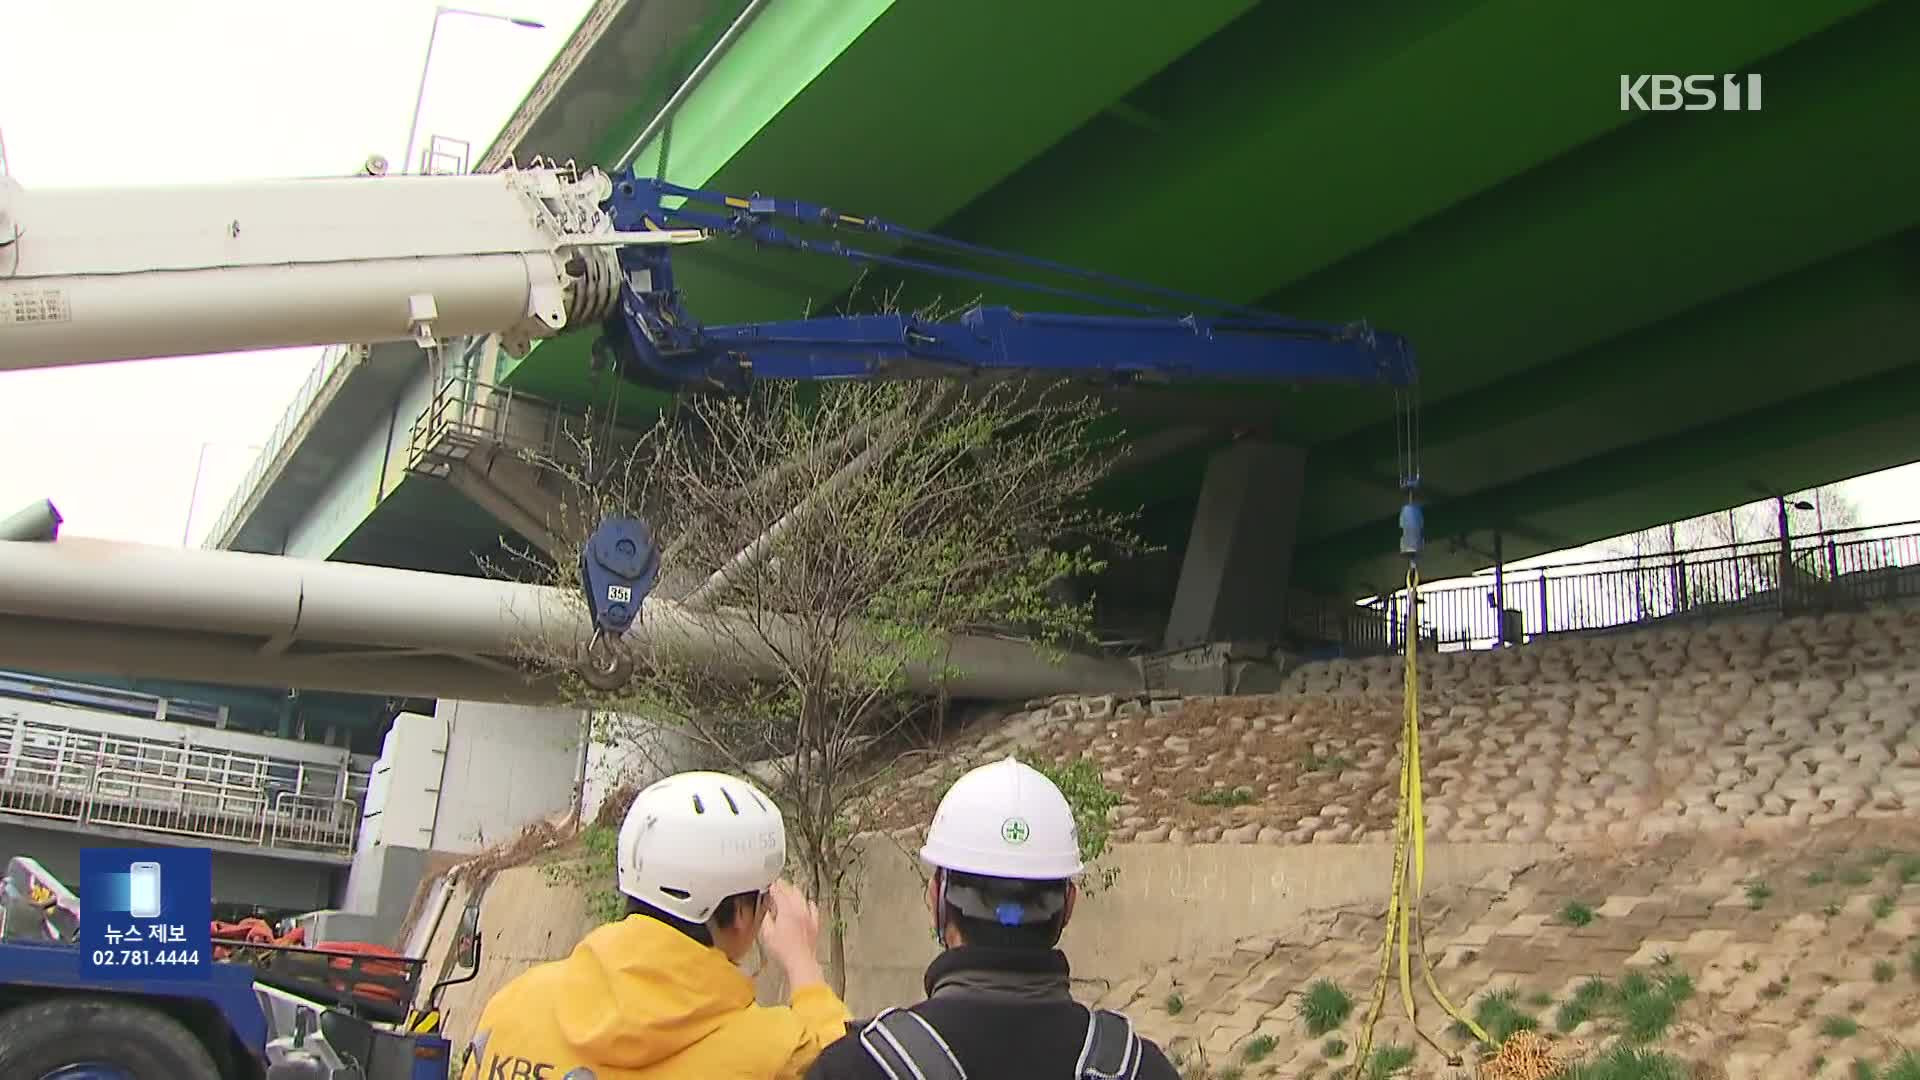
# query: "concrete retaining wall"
{"type": "Point", "coordinates": [1168, 902]}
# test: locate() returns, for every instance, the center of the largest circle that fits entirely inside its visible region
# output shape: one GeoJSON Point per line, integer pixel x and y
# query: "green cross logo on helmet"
{"type": "Point", "coordinates": [1015, 831]}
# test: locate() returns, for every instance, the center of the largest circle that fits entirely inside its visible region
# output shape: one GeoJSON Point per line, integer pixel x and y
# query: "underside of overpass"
{"type": "Point", "coordinates": [1622, 317]}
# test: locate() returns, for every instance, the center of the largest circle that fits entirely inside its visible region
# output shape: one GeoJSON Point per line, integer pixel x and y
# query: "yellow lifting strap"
{"type": "Point", "coordinates": [1404, 932]}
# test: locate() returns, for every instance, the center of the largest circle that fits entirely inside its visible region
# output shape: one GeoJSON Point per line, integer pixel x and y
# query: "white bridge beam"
{"type": "Point", "coordinates": [101, 607]}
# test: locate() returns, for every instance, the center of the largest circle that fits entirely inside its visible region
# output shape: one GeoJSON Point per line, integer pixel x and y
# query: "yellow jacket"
{"type": "Point", "coordinates": [638, 1000]}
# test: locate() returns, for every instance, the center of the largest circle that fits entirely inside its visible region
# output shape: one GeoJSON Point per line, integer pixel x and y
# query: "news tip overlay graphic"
{"type": "Point", "coordinates": [146, 913]}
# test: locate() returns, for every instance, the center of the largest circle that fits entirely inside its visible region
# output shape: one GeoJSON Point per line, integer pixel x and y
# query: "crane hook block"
{"type": "Point", "coordinates": [1412, 530]}
{"type": "Point", "coordinates": [618, 568]}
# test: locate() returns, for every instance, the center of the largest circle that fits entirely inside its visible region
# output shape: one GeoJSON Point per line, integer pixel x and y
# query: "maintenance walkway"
{"type": "Point", "coordinates": [281, 817]}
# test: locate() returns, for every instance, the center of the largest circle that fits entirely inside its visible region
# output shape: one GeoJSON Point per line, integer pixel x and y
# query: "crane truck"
{"type": "Point", "coordinates": [267, 1011]}
{"type": "Point", "coordinates": [95, 276]}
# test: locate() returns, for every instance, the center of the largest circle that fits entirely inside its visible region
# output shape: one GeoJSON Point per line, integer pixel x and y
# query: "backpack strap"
{"type": "Point", "coordinates": [1112, 1048]}
{"type": "Point", "coordinates": [906, 1047]}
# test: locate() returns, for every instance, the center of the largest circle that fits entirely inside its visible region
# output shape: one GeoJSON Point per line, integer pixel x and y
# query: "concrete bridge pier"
{"type": "Point", "coordinates": [1233, 581]}
{"type": "Point", "coordinates": [1235, 578]}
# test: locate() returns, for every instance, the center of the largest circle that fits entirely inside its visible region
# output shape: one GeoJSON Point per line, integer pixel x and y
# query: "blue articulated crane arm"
{"type": "Point", "coordinates": [654, 340]}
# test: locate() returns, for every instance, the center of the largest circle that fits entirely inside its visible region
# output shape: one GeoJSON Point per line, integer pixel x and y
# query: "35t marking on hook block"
{"type": "Point", "coordinates": [619, 594]}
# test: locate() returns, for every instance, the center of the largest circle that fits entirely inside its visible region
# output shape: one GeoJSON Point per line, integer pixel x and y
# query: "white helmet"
{"type": "Point", "coordinates": [1005, 820]}
{"type": "Point", "coordinates": [693, 839]}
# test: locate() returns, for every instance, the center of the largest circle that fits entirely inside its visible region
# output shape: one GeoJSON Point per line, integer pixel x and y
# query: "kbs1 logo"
{"type": "Point", "coordinates": [1693, 93]}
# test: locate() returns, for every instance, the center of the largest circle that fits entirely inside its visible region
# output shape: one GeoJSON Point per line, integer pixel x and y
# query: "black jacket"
{"type": "Point", "coordinates": [1007, 1014]}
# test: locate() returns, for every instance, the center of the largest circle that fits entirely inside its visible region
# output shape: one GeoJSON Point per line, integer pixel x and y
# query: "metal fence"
{"type": "Point", "coordinates": [1841, 570]}
{"type": "Point", "coordinates": [91, 778]}
{"type": "Point", "coordinates": [467, 414]}
{"type": "Point", "coordinates": [335, 362]}
{"type": "Point", "coordinates": [446, 156]}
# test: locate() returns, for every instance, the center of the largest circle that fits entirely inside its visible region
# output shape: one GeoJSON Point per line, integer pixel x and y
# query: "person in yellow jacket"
{"type": "Point", "coordinates": [659, 995]}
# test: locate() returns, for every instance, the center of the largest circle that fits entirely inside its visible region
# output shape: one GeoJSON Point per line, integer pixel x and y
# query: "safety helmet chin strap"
{"type": "Point", "coordinates": [1004, 903]}
{"type": "Point", "coordinates": [940, 906]}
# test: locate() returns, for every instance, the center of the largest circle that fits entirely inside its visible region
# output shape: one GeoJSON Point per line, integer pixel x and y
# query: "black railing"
{"type": "Point", "coordinates": [1842, 570]}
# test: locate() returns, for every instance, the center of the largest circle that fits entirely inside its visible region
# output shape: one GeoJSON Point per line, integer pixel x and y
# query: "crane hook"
{"type": "Point", "coordinates": [606, 665]}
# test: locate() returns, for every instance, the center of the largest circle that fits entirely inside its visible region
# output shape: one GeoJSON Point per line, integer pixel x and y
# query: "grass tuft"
{"type": "Point", "coordinates": [1258, 1048]}
{"type": "Point", "coordinates": [1856, 875]}
{"type": "Point", "coordinates": [1907, 870]}
{"type": "Point", "coordinates": [1758, 893]}
{"type": "Point", "coordinates": [1883, 906]}
{"type": "Point", "coordinates": [1883, 971]}
{"type": "Point", "coordinates": [1333, 1048]}
{"type": "Point", "coordinates": [1625, 1062]}
{"type": "Point", "coordinates": [1645, 1007]}
{"type": "Point", "coordinates": [1821, 876]}
{"type": "Point", "coordinates": [1588, 998]}
{"type": "Point", "coordinates": [1576, 913]}
{"type": "Point", "coordinates": [1222, 796]}
{"type": "Point", "coordinates": [1499, 1015]}
{"type": "Point", "coordinates": [1839, 1027]}
{"type": "Point", "coordinates": [1176, 1003]}
{"type": "Point", "coordinates": [1645, 1004]}
{"type": "Point", "coordinates": [1388, 1061]}
{"type": "Point", "coordinates": [1324, 1007]}
{"type": "Point", "coordinates": [1904, 1067]}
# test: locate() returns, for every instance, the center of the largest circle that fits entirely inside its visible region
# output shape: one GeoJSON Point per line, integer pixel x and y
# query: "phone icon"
{"type": "Point", "coordinates": [143, 890]}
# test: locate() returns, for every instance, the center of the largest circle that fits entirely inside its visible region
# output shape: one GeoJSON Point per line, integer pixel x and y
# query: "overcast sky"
{"type": "Point", "coordinates": [100, 93]}
{"type": "Point", "coordinates": [114, 93]}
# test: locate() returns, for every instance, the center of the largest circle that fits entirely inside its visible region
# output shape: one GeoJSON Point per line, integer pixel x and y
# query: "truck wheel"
{"type": "Point", "coordinates": [98, 1039]}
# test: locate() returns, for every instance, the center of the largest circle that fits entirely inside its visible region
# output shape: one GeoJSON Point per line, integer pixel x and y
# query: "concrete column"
{"type": "Point", "coordinates": [507, 766]}
{"type": "Point", "coordinates": [1234, 578]}
{"type": "Point", "coordinates": [630, 752]}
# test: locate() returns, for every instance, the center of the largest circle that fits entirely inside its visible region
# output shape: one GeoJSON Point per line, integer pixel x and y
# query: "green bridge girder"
{"type": "Point", "coordinates": [1621, 317]}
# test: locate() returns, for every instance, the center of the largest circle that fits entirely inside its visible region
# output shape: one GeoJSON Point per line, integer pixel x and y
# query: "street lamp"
{"type": "Point", "coordinates": [420, 96]}
{"type": "Point", "coordinates": [1820, 519]}
{"type": "Point", "coordinates": [1820, 523]}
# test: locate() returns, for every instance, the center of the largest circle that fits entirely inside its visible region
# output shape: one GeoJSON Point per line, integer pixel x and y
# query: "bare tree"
{"type": "Point", "coordinates": [829, 539]}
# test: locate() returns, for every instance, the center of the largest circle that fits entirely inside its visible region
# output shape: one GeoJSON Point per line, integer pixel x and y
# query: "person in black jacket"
{"type": "Point", "coordinates": [1004, 853]}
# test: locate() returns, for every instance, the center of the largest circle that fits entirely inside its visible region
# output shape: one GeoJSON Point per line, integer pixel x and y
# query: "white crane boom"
{"type": "Point", "coordinates": [95, 276]}
{"type": "Point", "coordinates": [98, 275]}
